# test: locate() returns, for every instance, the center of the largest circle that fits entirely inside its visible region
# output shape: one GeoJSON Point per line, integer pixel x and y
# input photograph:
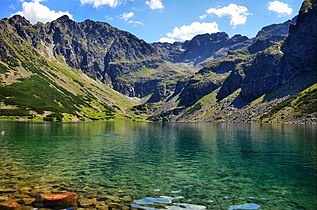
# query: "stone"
{"type": "Point", "coordinates": [7, 190]}
{"type": "Point", "coordinates": [28, 201]}
{"type": "Point", "coordinates": [19, 195]}
{"type": "Point", "coordinates": [186, 206]}
{"type": "Point", "coordinates": [9, 205]}
{"type": "Point", "coordinates": [113, 198]}
{"type": "Point", "coordinates": [114, 205]}
{"type": "Point", "coordinates": [25, 189]}
{"type": "Point", "coordinates": [126, 199]}
{"type": "Point", "coordinates": [87, 202]}
{"type": "Point", "coordinates": [24, 208]}
{"type": "Point", "coordinates": [64, 200]}
{"type": "Point", "coordinates": [3, 198]}
{"type": "Point", "coordinates": [101, 205]}
{"type": "Point", "coordinates": [249, 206]}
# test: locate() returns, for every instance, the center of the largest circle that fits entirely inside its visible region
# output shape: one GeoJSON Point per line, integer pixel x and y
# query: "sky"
{"type": "Point", "coordinates": [162, 20]}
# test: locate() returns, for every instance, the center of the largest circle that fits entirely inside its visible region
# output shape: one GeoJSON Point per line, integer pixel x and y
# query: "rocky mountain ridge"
{"type": "Point", "coordinates": [208, 78]}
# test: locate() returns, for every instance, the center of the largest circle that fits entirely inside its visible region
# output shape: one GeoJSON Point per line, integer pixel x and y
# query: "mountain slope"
{"type": "Point", "coordinates": [39, 86]}
{"type": "Point", "coordinates": [258, 81]}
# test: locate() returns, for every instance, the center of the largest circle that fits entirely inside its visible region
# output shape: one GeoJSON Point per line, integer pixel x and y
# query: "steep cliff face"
{"type": "Point", "coordinates": [202, 47]}
{"type": "Point", "coordinates": [98, 49]}
{"type": "Point", "coordinates": [300, 47]}
{"type": "Point", "coordinates": [271, 34]}
{"type": "Point", "coordinates": [279, 65]}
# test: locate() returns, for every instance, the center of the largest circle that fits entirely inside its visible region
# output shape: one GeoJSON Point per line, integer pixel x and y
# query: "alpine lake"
{"type": "Point", "coordinates": [134, 165]}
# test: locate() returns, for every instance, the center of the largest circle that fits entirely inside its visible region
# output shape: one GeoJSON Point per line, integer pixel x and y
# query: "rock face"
{"type": "Point", "coordinates": [300, 47]}
{"type": "Point", "coordinates": [271, 34]}
{"type": "Point", "coordinates": [98, 49]}
{"type": "Point", "coordinates": [202, 47]}
{"type": "Point", "coordinates": [297, 58]}
{"type": "Point", "coordinates": [194, 90]}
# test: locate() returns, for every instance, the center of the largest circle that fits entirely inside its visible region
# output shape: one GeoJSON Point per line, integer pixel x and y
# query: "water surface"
{"type": "Point", "coordinates": [216, 165]}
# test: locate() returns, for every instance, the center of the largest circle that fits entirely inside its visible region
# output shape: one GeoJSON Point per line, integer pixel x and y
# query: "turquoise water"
{"type": "Point", "coordinates": [215, 165]}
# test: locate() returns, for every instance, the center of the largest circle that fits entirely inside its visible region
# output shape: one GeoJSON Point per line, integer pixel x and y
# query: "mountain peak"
{"type": "Point", "coordinates": [64, 19]}
{"type": "Point", "coordinates": [19, 19]}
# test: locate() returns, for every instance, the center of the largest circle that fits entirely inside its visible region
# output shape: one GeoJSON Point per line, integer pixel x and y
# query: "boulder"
{"type": "Point", "coordinates": [59, 201]}
{"type": "Point", "coordinates": [9, 205]}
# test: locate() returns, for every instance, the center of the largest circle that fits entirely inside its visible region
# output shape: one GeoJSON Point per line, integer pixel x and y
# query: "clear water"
{"type": "Point", "coordinates": [216, 165]}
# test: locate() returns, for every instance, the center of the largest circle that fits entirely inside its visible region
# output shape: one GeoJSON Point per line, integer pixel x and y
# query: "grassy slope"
{"type": "Point", "coordinates": [294, 107]}
{"type": "Point", "coordinates": [53, 91]}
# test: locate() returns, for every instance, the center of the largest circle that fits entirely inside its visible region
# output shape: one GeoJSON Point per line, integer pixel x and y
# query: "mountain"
{"type": "Point", "coordinates": [202, 47]}
{"type": "Point", "coordinates": [37, 83]}
{"type": "Point", "coordinates": [65, 70]}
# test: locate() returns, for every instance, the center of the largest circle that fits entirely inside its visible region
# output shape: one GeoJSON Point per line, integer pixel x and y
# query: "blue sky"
{"type": "Point", "coordinates": [164, 20]}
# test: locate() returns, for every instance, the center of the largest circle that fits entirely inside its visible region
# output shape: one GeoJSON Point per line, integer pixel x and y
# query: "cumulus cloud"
{"type": "Point", "coordinates": [126, 16]}
{"type": "Point", "coordinates": [280, 8]}
{"type": "Point", "coordinates": [168, 40]}
{"type": "Point", "coordinates": [98, 3]}
{"type": "Point", "coordinates": [155, 4]}
{"type": "Point", "coordinates": [238, 14]}
{"type": "Point", "coordinates": [187, 32]}
{"type": "Point", "coordinates": [35, 12]}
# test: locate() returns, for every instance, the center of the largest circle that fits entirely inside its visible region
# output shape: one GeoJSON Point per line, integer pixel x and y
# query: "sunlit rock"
{"type": "Point", "coordinates": [64, 200]}
{"type": "Point", "coordinates": [249, 206]}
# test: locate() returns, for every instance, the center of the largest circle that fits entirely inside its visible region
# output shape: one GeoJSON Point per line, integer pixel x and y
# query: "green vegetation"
{"type": "Point", "coordinates": [26, 94]}
{"type": "Point", "coordinates": [307, 4]}
{"type": "Point", "coordinates": [295, 106]}
{"type": "Point", "coordinates": [3, 69]}
{"type": "Point", "coordinates": [146, 71]}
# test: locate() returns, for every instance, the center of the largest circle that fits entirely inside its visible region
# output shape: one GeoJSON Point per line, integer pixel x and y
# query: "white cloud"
{"type": "Point", "coordinates": [238, 14]}
{"type": "Point", "coordinates": [155, 4]}
{"type": "Point", "coordinates": [98, 3]}
{"type": "Point", "coordinates": [280, 8]}
{"type": "Point", "coordinates": [187, 32]}
{"type": "Point", "coordinates": [168, 40]}
{"type": "Point", "coordinates": [202, 17]}
{"type": "Point", "coordinates": [126, 16]}
{"type": "Point", "coordinates": [36, 12]}
{"type": "Point", "coordinates": [136, 23]}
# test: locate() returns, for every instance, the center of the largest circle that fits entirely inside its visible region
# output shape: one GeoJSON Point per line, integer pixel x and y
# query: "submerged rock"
{"type": "Point", "coordinates": [142, 207]}
{"type": "Point", "coordinates": [161, 199]}
{"type": "Point", "coordinates": [59, 201]}
{"type": "Point", "coordinates": [85, 202]}
{"type": "Point", "coordinates": [150, 201]}
{"type": "Point", "coordinates": [113, 198]}
{"type": "Point", "coordinates": [3, 198]}
{"type": "Point", "coordinates": [9, 205]}
{"type": "Point", "coordinates": [7, 190]}
{"type": "Point", "coordinates": [248, 206]}
{"type": "Point", "coordinates": [28, 201]}
{"type": "Point", "coordinates": [175, 191]}
{"type": "Point", "coordinates": [107, 134]}
{"type": "Point", "coordinates": [126, 199]}
{"type": "Point", "coordinates": [180, 206]}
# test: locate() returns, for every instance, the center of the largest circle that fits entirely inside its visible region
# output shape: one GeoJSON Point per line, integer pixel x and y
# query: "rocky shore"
{"type": "Point", "coordinates": [29, 198]}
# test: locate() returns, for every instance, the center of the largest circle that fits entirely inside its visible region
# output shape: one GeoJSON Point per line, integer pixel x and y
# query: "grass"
{"type": "Point", "coordinates": [298, 105]}
{"type": "Point", "coordinates": [37, 93]}
{"type": "Point", "coordinates": [307, 4]}
{"type": "Point", "coordinates": [3, 69]}
{"type": "Point", "coordinates": [146, 71]}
